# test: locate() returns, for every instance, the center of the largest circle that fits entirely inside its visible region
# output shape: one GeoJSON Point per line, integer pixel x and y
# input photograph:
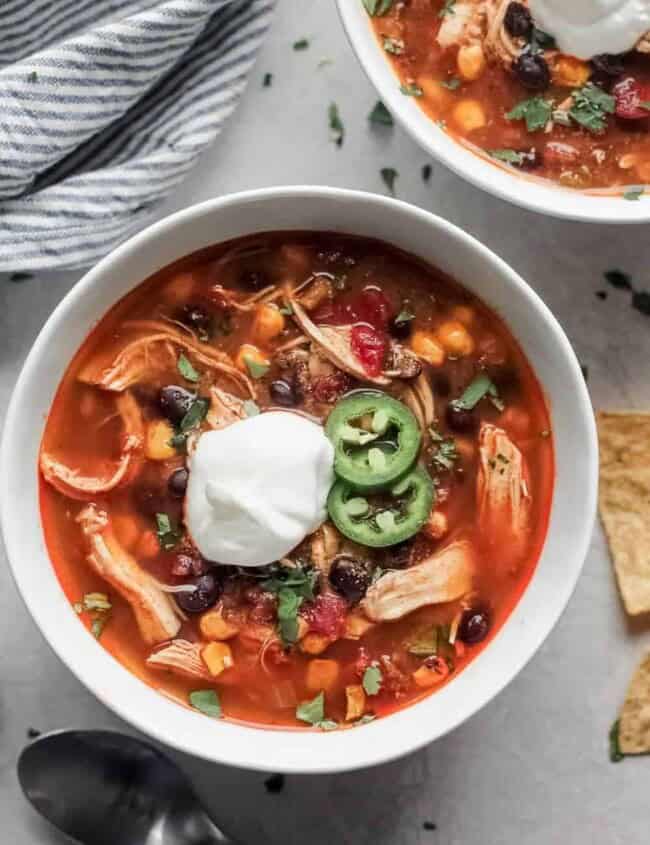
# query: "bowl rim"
{"type": "Point", "coordinates": [339, 756]}
{"type": "Point", "coordinates": [543, 197]}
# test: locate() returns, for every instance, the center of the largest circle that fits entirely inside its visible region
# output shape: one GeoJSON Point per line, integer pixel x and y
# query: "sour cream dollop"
{"type": "Point", "coordinates": [587, 28]}
{"type": "Point", "coordinates": [257, 488]}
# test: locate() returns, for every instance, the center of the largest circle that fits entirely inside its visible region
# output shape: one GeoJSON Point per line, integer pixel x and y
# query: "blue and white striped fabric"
{"type": "Point", "coordinates": [104, 107]}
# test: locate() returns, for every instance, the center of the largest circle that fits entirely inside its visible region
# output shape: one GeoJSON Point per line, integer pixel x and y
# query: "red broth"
{"type": "Point", "coordinates": [471, 86]}
{"type": "Point", "coordinates": [235, 294]}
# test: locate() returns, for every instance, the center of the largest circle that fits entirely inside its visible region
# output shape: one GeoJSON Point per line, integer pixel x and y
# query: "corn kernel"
{"type": "Point", "coordinates": [427, 347]}
{"type": "Point", "coordinates": [314, 643]}
{"type": "Point", "coordinates": [157, 445]}
{"type": "Point", "coordinates": [217, 657]}
{"type": "Point", "coordinates": [455, 339]}
{"type": "Point", "coordinates": [469, 115]}
{"type": "Point", "coordinates": [355, 701]}
{"type": "Point", "coordinates": [570, 72]}
{"type": "Point", "coordinates": [471, 61]}
{"type": "Point", "coordinates": [250, 353]}
{"type": "Point", "coordinates": [214, 627]}
{"type": "Point", "coordinates": [321, 675]}
{"type": "Point", "coordinates": [268, 324]}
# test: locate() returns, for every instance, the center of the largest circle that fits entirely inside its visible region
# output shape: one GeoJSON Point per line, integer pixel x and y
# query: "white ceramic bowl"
{"type": "Point", "coordinates": [539, 195]}
{"type": "Point", "coordinates": [415, 231]}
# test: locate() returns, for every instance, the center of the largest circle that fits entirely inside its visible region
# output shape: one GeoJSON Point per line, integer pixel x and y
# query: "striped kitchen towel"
{"type": "Point", "coordinates": [104, 107]}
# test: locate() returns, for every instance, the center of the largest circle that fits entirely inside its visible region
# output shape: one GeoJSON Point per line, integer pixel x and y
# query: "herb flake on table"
{"type": "Point", "coordinates": [590, 107]}
{"type": "Point", "coordinates": [536, 112]}
{"type": "Point", "coordinates": [615, 753]}
{"type": "Point", "coordinates": [206, 701]}
{"type": "Point", "coordinates": [274, 784]}
{"type": "Point", "coordinates": [641, 302]}
{"type": "Point", "coordinates": [20, 277]}
{"type": "Point", "coordinates": [377, 8]}
{"type": "Point", "coordinates": [426, 172]}
{"type": "Point", "coordinates": [301, 44]}
{"type": "Point", "coordinates": [389, 175]}
{"type": "Point", "coordinates": [381, 115]}
{"type": "Point", "coordinates": [337, 129]}
{"type": "Point", "coordinates": [267, 80]}
{"type": "Point", "coordinates": [618, 279]}
{"type": "Point", "coordinates": [292, 587]}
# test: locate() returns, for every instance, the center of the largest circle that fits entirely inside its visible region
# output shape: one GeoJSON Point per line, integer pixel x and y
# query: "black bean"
{"type": "Point", "coordinates": [175, 402]}
{"type": "Point", "coordinates": [283, 393]}
{"type": "Point", "coordinates": [474, 626]}
{"type": "Point", "coordinates": [460, 420]}
{"type": "Point", "coordinates": [253, 280]}
{"type": "Point", "coordinates": [196, 317]}
{"type": "Point", "coordinates": [518, 21]}
{"type": "Point", "coordinates": [177, 482]}
{"type": "Point", "coordinates": [606, 69]}
{"type": "Point", "coordinates": [350, 578]}
{"type": "Point", "coordinates": [206, 593]}
{"type": "Point", "coordinates": [150, 499]}
{"type": "Point", "coordinates": [532, 71]}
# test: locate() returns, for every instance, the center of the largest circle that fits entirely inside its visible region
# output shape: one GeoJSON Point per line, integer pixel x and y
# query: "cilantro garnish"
{"type": "Point", "coordinates": [394, 46]}
{"type": "Point", "coordinates": [313, 712]}
{"type": "Point", "coordinates": [411, 89]}
{"type": "Point", "coordinates": [536, 111]}
{"type": "Point", "coordinates": [452, 84]}
{"type": "Point", "coordinates": [207, 702]}
{"type": "Point", "coordinates": [186, 369]}
{"type": "Point", "coordinates": [377, 8]}
{"type": "Point", "coordinates": [372, 680]}
{"type": "Point", "coordinates": [192, 419]}
{"type": "Point", "coordinates": [405, 315]}
{"type": "Point", "coordinates": [446, 455]}
{"type": "Point", "coordinates": [508, 156]}
{"type": "Point", "coordinates": [380, 115]}
{"type": "Point", "coordinates": [256, 369]}
{"type": "Point", "coordinates": [337, 130]}
{"type": "Point", "coordinates": [481, 387]}
{"type": "Point", "coordinates": [590, 108]}
{"type": "Point", "coordinates": [292, 587]}
{"type": "Point", "coordinates": [168, 533]}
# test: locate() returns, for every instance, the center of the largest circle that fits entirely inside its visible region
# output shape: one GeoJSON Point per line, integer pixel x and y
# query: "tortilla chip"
{"type": "Point", "coordinates": [625, 502]}
{"type": "Point", "coordinates": [634, 725]}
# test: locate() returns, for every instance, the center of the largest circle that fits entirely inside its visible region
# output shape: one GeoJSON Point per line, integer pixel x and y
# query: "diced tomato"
{"type": "Point", "coordinates": [630, 94]}
{"type": "Point", "coordinates": [329, 388]}
{"type": "Point", "coordinates": [370, 306]}
{"type": "Point", "coordinates": [370, 347]}
{"type": "Point", "coordinates": [326, 615]}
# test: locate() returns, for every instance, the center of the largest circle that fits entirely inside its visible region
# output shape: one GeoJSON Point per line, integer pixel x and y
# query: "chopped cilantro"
{"type": "Point", "coordinates": [447, 8]}
{"type": "Point", "coordinates": [377, 8]}
{"type": "Point", "coordinates": [480, 387]}
{"type": "Point", "coordinates": [405, 315]}
{"type": "Point", "coordinates": [302, 44]}
{"type": "Point", "coordinates": [381, 115]}
{"type": "Point", "coordinates": [256, 369]}
{"type": "Point", "coordinates": [337, 130]}
{"type": "Point", "coordinates": [292, 587]}
{"type": "Point", "coordinates": [186, 369]}
{"type": "Point", "coordinates": [288, 605]}
{"type": "Point", "coordinates": [207, 702]}
{"type": "Point", "coordinates": [536, 111]}
{"type": "Point", "coordinates": [452, 84]}
{"type": "Point", "coordinates": [633, 194]}
{"type": "Point", "coordinates": [411, 89]}
{"type": "Point", "coordinates": [389, 175]}
{"type": "Point", "coordinates": [168, 533]}
{"type": "Point", "coordinates": [286, 310]}
{"type": "Point", "coordinates": [394, 46]}
{"type": "Point", "coordinates": [508, 156]}
{"type": "Point", "coordinates": [367, 717]}
{"type": "Point", "coordinates": [446, 455]}
{"type": "Point", "coordinates": [590, 108]}
{"type": "Point", "coordinates": [192, 419]}
{"type": "Point", "coordinates": [313, 712]}
{"type": "Point", "coordinates": [372, 680]}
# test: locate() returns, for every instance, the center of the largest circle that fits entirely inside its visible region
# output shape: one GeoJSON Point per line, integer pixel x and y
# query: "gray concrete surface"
{"type": "Point", "coordinates": [532, 766]}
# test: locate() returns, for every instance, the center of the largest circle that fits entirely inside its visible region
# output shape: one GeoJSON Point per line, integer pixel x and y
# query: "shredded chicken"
{"type": "Point", "coordinates": [418, 396]}
{"type": "Point", "coordinates": [401, 362]}
{"type": "Point", "coordinates": [156, 613]}
{"type": "Point", "coordinates": [71, 482]}
{"type": "Point", "coordinates": [503, 495]}
{"type": "Point", "coordinates": [325, 546]}
{"type": "Point", "coordinates": [445, 576]}
{"type": "Point", "coordinates": [182, 658]}
{"type": "Point", "coordinates": [153, 351]}
{"type": "Point", "coordinates": [499, 44]}
{"type": "Point", "coordinates": [225, 409]}
{"type": "Point", "coordinates": [464, 25]}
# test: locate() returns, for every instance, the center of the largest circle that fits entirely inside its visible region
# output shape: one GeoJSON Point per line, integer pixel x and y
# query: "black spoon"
{"type": "Point", "coordinates": [104, 788]}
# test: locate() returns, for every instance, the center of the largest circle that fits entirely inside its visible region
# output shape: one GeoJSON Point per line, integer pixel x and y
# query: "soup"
{"type": "Point", "coordinates": [298, 479]}
{"type": "Point", "coordinates": [493, 80]}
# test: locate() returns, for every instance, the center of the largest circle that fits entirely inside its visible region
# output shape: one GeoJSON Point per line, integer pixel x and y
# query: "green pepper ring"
{"type": "Point", "coordinates": [358, 472]}
{"type": "Point", "coordinates": [363, 532]}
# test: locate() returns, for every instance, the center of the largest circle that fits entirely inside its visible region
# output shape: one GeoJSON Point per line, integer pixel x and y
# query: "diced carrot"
{"type": "Point", "coordinates": [148, 545]}
{"type": "Point", "coordinates": [217, 657]}
{"type": "Point", "coordinates": [214, 627]}
{"type": "Point", "coordinates": [268, 324]}
{"type": "Point", "coordinates": [314, 643]}
{"type": "Point", "coordinates": [157, 445]}
{"type": "Point", "coordinates": [321, 674]}
{"type": "Point", "coordinates": [355, 699]}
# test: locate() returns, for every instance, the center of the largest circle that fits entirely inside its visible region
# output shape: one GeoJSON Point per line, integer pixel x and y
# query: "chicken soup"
{"type": "Point", "coordinates": [297, 480]}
